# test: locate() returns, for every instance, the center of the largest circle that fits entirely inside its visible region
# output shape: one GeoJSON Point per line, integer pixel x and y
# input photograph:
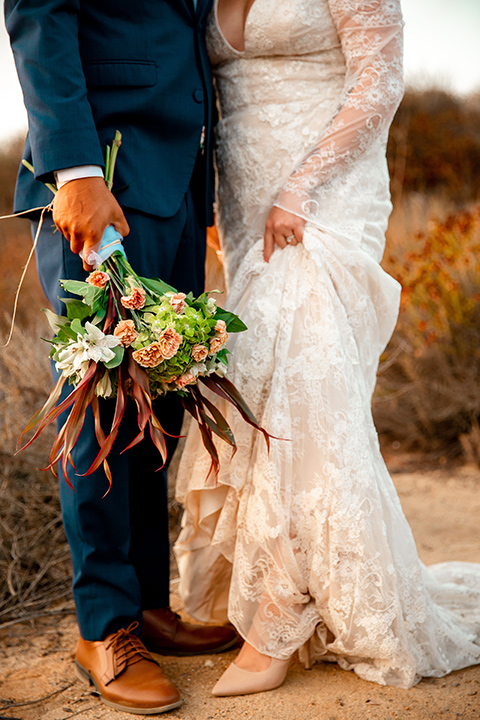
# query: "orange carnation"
{"type": "Point", "coordinates": [149, 356]}
{"type": "Point", "coordinates": [169, 342]}
{"type": "Point", "coordinates": [98, 278]}
{"type": "Point", "coordinates": [185, 379]}
{"type": "Point", "coordinates": [217, 343]}
{"type": "Point", "coordinates": [199, 352]}
{"type": "Point", "coordinates": [126, 333]}
{"type": "Point", "coordinates": [134, 301]}
{"type": "Point", "coordinates": [177, 301]}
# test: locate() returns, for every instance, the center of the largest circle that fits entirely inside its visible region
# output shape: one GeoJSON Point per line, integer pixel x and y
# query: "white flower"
{"type": "Point", "coordinates": [198, 369]}
{"type": "Point", "coordinates": [215, 366]}
{"type": "Point", "coordinates": [74, 358]}
{"type": "Point", "coordinates": [221, 369]}
{"type": "Point", "coordinates": [97, 345]}
{"type": "Point", "coordinates": [211, 306]}
{"type": "Point", "coordinates": [104, 386]}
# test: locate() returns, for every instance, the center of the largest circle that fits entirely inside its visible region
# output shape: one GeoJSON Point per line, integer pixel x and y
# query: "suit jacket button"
{"type": "Point", "coordinates": [198, 96]}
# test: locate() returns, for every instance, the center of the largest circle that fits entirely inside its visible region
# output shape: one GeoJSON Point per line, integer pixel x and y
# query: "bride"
{"type": "Point", "coordinates": [306, 547]}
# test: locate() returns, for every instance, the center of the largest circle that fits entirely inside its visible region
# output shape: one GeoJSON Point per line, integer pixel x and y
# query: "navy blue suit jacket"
{"type": "Point", "coordinates": [90, 67]}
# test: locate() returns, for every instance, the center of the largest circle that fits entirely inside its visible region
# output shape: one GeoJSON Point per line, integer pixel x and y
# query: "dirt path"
{"type": "Point", "coordinates": [444, 512]}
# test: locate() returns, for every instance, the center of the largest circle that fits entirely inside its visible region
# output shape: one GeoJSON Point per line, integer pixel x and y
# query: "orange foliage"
{"type": "Point", "coordinates": [441, 281]}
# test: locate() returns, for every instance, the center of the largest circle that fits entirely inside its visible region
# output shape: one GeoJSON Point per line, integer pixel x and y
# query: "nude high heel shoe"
{"type": "Point", "coordinates": [237, 681]}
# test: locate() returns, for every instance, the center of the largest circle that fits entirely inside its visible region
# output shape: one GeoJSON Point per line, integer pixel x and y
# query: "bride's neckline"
{"type": "Point", "coordinates": [224, 37]}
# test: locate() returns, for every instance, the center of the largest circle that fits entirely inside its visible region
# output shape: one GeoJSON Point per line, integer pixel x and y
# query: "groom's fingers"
{"type": "Point", "coordinates": [82, 210]}
{"type": "Point", "coordinates": [88, 245]}
{"type": "Point", "coordinates": [119, 221]}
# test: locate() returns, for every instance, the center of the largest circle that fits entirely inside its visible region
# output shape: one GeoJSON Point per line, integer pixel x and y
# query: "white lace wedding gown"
{"type": "Point", "coordinates": [308, 544]}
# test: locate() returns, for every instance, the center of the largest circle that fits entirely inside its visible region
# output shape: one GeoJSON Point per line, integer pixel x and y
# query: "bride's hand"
{"type": "Point", "coordinates": [282, 228]}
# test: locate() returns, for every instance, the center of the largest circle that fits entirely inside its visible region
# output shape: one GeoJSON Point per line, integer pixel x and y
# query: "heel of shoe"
{"type": "Point", "coordinates": [82, 674]}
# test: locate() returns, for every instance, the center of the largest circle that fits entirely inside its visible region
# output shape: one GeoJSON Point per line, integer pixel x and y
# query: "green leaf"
{"type": "Point", "coordinates": [90, 293]}
{"type": "Point", "coordinates": [65, 334]}
{"type": "Point", "coordinates": [232, 321]}
{"type": "Point", "coordinates": [74, 286]}
{"type": "Point", "coordinates": [77, 327]}
{"type": "Point", "coordinates": [99, 316]}
{"type": "Point", "coordinates": [55, 321]}
{"type": "Point", "coordinates": [222, 355]}
{"type": "Point", "coordinates": [150, 302]}
{"type": "Point", "coordinates": [157, 286]}
{"type": "Point", "coordinates": [115, 362]}
{"type": "Point", "coordinates": [77, 309]}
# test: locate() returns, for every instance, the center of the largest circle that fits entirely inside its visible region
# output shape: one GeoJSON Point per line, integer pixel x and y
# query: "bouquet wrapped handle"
{"type": "Point", "coordinates": [111, 242]}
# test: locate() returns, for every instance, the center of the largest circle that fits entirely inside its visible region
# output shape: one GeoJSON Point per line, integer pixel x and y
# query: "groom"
{"type": "Point", "coordinates": [87, 69]}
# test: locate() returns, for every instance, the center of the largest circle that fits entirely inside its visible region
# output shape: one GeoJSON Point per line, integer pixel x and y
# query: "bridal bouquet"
{"type": "Point", "coordinates": [133, 336]}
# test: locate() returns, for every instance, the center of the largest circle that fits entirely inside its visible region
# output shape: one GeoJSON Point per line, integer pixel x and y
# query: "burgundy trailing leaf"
{"type": "Point", "coordinates": [191, 406]}
{"type": "Point", "coordinates": [52, 414]}
{"type": "Point", "coordinates": [227, 390]}
{"type": "Point", "coordinates": [100, 435]}
{"type": "Point", "coordinates": [117, 418]}
{"type": "Point", "coordinates": [218, 424]}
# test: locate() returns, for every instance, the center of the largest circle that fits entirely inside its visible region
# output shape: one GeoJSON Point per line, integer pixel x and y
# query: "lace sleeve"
{"type": "Point", "coordinates": [371, 35]}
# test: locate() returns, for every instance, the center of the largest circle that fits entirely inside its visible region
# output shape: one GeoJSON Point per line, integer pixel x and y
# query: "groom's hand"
{"type": "Point", "coordinates": [82, 210]}
{"type": "Point", "coordinates": [282, 228]}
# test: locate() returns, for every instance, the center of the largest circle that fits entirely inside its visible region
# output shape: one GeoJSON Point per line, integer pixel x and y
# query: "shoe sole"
{"type": "Point", "coordinates": [87, 678]}
{"type": "Point", "coordinates": [187, 653]}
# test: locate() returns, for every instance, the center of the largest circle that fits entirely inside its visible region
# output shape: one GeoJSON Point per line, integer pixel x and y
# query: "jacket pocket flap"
{"type": "Point", "coordinates": [120, 73]}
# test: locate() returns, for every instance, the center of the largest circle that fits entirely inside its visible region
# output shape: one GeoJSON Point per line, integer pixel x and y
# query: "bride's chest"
{"type": "Point", "coordinates": [276, 27]}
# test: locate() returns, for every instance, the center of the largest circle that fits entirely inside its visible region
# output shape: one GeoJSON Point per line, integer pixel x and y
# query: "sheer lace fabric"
{"type": "Point", "coordinates": [307, 546]}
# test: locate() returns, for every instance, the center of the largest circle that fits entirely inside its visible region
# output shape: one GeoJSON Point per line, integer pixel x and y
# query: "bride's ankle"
{"type": "Point", "coordinates": [250, 659]}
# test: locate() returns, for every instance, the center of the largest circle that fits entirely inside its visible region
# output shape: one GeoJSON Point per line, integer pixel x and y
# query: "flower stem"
{"type": "Point", "coordinates": [111, 158]}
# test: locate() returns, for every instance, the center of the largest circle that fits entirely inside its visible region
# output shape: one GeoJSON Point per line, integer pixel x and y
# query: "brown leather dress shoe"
{"type": "Point", "coordinates": [165, 633]}
{"type": "Point", "coordinates": [125, 674]}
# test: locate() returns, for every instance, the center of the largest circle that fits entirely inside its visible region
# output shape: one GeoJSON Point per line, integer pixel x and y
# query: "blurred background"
{"type": "Point", "coordinates": [427, 402]}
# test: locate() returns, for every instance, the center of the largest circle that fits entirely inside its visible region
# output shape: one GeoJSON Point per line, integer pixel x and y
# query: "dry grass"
{"type": "Point", "coordinates": [34, 560]}
{"type": "Point", "coordinates": [34, 557]}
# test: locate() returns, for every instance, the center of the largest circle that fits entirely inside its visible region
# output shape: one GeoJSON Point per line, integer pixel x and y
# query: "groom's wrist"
{"type": "Point", "coordinates": [62, 177]}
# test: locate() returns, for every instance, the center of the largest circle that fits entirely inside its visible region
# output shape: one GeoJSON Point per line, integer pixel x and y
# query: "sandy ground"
{"type": "Point", "coordinates": [443, 507]}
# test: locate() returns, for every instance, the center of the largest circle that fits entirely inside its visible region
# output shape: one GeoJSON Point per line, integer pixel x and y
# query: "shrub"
{"type": "Point", "coordinates": [428, 393]}
{"type": "Point", "coordinates": [434, 145]}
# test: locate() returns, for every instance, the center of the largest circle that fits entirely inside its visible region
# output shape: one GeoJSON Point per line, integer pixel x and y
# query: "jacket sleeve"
{"type": "Point", "coordinates": [370, 33]}
{"type": "Point", "coordinates": [44, 36]}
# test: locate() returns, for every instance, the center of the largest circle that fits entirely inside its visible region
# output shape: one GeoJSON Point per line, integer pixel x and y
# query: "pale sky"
{"type": "Point", "coordinates": [442, 47]}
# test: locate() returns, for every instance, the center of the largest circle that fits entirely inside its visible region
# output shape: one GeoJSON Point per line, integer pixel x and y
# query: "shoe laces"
{"type": "Point", "coordinates": [127, 648]}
